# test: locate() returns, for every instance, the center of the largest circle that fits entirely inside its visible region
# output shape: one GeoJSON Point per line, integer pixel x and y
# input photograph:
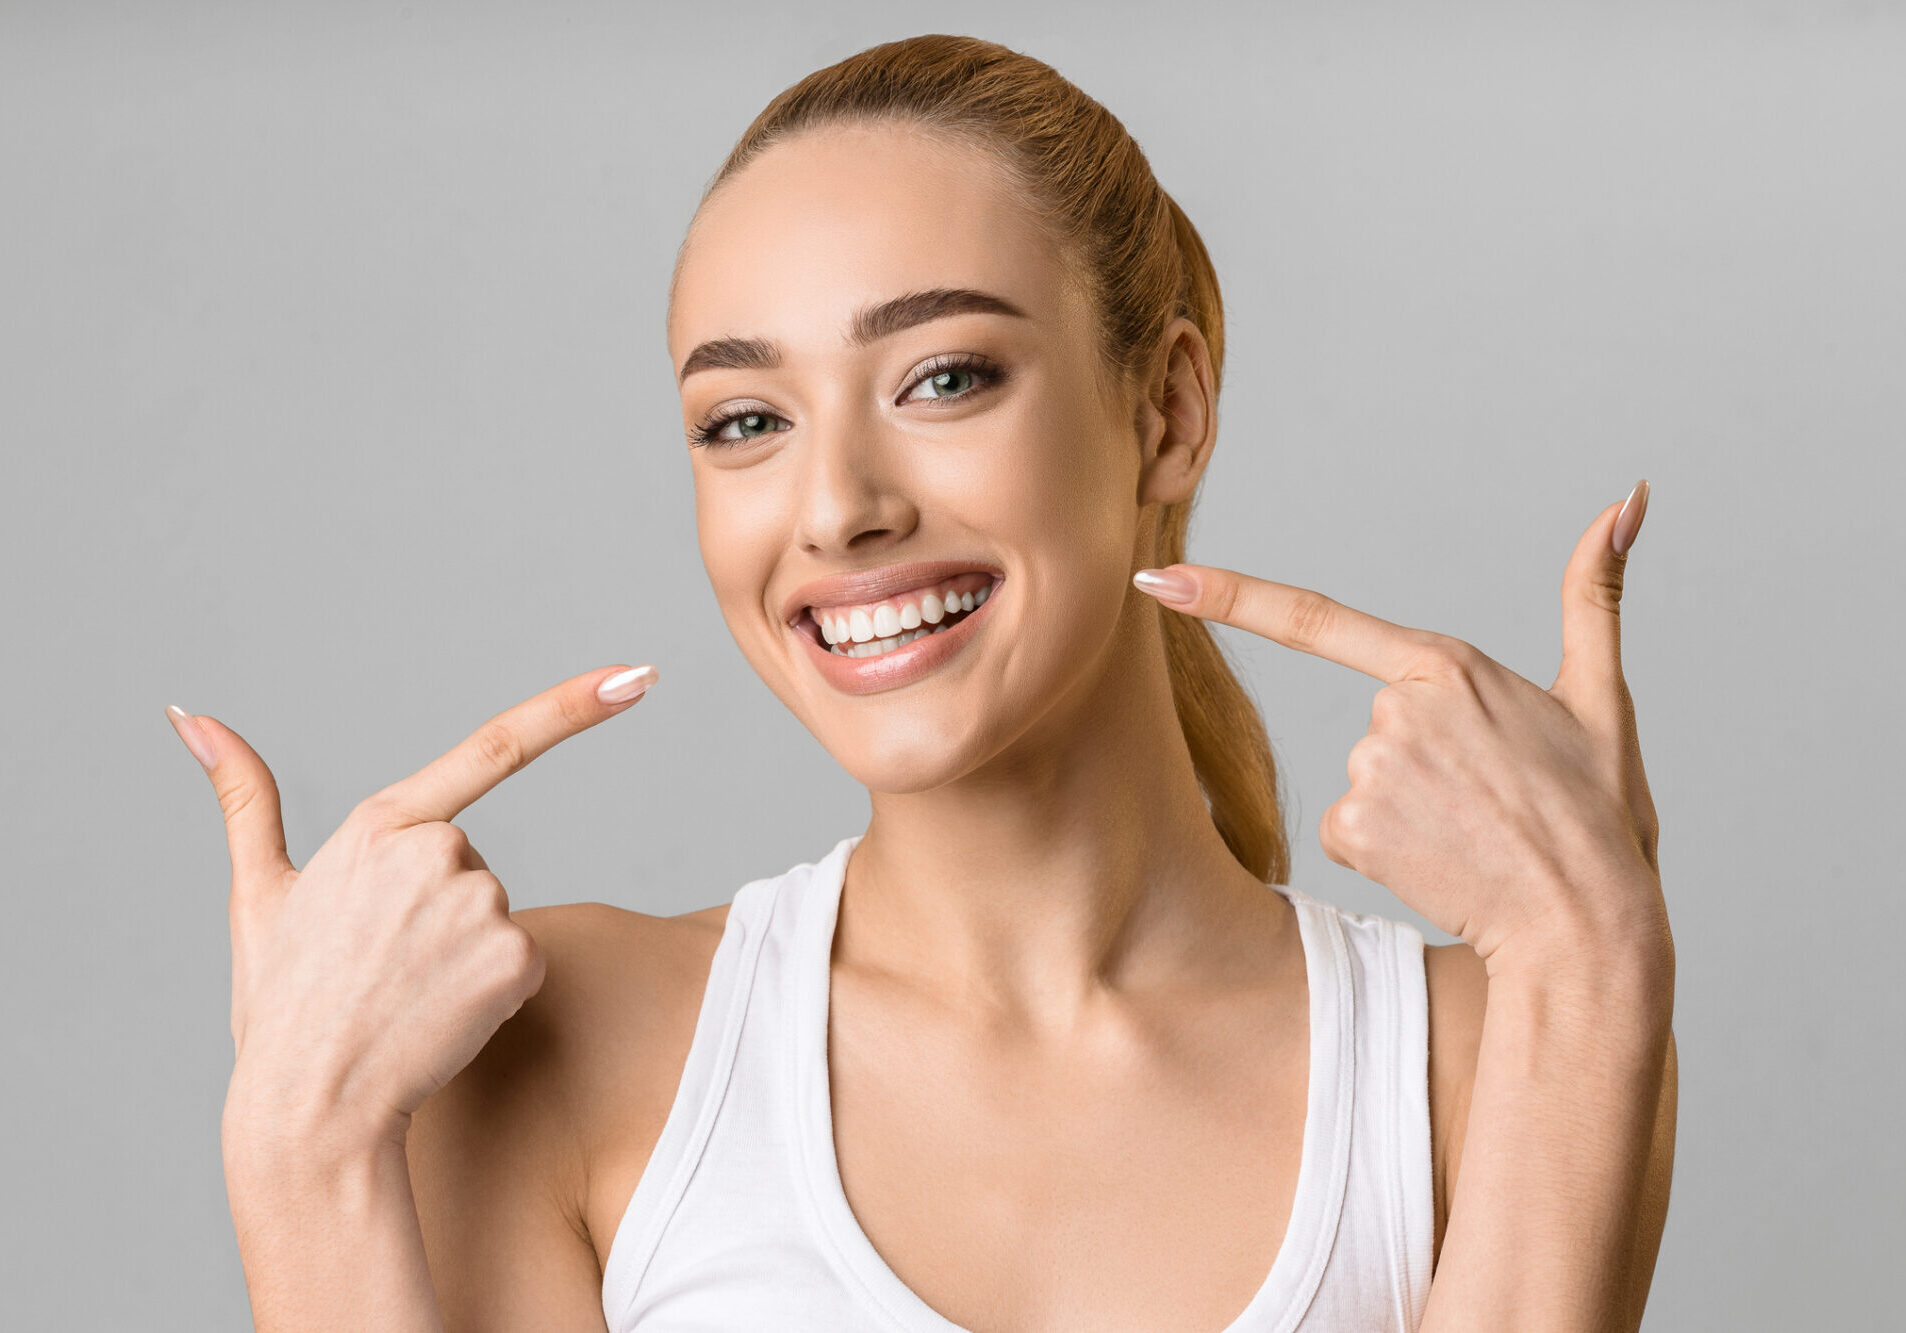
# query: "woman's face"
{"type": "Point", "coordinates": [857, 461]}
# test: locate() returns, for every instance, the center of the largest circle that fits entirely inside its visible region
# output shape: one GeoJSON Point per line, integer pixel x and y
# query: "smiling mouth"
{"type": "Point", "coordinates": [875, 629]}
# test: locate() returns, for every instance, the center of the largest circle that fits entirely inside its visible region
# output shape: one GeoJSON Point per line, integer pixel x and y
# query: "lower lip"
{"type": "Point", "coordinates": [902, 666]}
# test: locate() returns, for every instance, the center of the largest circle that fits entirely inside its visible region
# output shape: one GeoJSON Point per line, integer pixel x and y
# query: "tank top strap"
{"type": "Point", "coordinates": [1379, 1269]}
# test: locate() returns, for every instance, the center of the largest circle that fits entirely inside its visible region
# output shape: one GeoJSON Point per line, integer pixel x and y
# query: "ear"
{"type": "Point", "coordinates": [1178, 416]}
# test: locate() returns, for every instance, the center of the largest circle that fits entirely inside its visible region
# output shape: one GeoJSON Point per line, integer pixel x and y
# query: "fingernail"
{"type": "Point", "coordinates": [1167, 585]}
{"type": "Point", "coordinates": [1628, 521]}
{"type": "Point", "coordinates": [195, 737]}
{"type": "Point", "coordinates": [626, 685]}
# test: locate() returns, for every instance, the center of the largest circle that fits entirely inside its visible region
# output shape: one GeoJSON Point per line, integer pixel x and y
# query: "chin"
{"type": "Point", "coordinates": [901, 760]}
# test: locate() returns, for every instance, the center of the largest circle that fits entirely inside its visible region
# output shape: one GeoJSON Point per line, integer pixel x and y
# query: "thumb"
{"type": "Point", "coordinates": [1590, 682]}
{"type": "Point", "coordinates": [247, 795]}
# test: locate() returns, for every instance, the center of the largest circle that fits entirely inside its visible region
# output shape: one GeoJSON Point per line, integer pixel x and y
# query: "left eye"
{"type": "Point", "coordinates": [946, 384]}
{"type": "Point", "coordinates": [953, 377]}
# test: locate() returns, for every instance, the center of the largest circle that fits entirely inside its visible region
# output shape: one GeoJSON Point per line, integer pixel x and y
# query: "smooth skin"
{"type": "Point", "coordinates": [1062, 1015]}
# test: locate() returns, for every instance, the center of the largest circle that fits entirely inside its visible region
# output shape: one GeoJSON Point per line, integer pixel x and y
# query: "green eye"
{"type": "Point", "coordinates": [747, 426]}
{"type": "Point", "coordinates": [959, 376]}
{"type": "Point", "coordinates": [951, 381]}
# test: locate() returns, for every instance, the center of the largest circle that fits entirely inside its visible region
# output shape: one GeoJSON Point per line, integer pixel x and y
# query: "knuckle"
{"type": "Point", "coordinates": [521, 958]}
{"type": "Point", "coordinates": [374, 811]}
{"type": "Point", "coordinates": [1220, 596]}
{"type": "Point", "coordinates": [1387, 708]}
{"type": "Point", "coordinates": [499, 748]}
{"type": "Point", "coordinates": [1309, 619]}
{"type": "Point", "coordinates": [477, 895]}
{"type": "Point", "coordinates": [234, 800]}
{"type": "Point", "coordinates": [1450, 656]}
{"type": "Point", "coordinates": [1328, 838]}
{"type": "Point", "coordinates": [575, 714]}
{"type": "Point", "coordinates": [491, 893]}
{"type": "Point", "coordinates": [1351, 824]}
{"type": "Point", "coordinates": [445, 841]}
{"type": "Point", "coordinates": [1603, 588]}
{"type": "Point", "coordinates": [1366, 759]}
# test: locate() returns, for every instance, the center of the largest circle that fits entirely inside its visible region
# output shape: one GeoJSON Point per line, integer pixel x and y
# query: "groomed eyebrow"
{"type": "Point", "coordinates": [870, 324]}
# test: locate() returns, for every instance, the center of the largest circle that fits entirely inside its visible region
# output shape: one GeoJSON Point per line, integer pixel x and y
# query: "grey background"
{"type": "Point", "coordinates": [337, 406]}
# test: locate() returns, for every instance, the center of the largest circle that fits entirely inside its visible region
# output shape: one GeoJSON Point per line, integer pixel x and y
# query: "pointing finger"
{"type": "Point", "coordinates": [507, 743]}
{"type": "Point", "coordinates": [1295, 617]}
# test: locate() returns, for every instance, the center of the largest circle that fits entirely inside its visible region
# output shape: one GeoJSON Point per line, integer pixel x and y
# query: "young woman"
{"type": "Point", "coordinates": [1052, 1043]}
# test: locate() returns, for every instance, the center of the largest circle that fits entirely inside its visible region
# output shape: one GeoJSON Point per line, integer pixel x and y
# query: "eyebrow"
{"type": "Point", "coordinates": [870, 324]}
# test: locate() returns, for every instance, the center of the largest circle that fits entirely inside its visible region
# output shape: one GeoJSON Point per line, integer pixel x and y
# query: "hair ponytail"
{"type": "Point", "coordinates": [1145, 265]}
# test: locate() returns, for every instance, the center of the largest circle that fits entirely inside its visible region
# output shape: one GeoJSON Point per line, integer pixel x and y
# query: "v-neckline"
{"type": "Point", "coordinates": [1317, 1202]}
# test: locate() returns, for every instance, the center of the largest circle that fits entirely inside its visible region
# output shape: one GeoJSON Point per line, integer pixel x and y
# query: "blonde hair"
{"type": "Point", "coordinates": [1144, 264]}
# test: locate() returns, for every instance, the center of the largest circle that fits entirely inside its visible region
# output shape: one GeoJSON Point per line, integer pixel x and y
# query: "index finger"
{"type": "Point", "coordinates": [506, 744]}
{"type": "Point", "coordinates": [1295, 617]}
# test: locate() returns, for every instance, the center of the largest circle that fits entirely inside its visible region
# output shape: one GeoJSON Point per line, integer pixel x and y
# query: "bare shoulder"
{"type": "Point", "coordinates": [620, 996]}
{"type": "Point", "coordinates": [509, 1159]}
{"type": "Point", "coordinates": [1458, 985]}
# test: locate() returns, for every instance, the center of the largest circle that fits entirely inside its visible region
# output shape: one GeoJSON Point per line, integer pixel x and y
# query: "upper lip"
{"type": "Point", "coordinates": [870, 585]}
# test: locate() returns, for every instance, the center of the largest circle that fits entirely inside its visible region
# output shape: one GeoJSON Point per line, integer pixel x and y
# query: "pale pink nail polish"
{"type": "Point", "coordinates": [1628, 521]}
{"type": "Point", "coordinates": [195, 737]}
{"type": "Point", "coordinates": [1167, 585]}
{"type": "Point", "coordinates": [626, 685]}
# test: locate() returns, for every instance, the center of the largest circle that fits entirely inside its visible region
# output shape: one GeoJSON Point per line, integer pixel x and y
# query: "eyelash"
{"type": "Point", "coordinates": [984, 371]}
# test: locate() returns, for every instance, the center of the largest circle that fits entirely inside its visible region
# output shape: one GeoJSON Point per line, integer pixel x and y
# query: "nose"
{"type": "Point", "coordinates": [854, 493]}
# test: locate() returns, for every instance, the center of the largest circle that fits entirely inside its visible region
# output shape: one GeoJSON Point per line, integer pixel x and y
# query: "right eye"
{"type": "Point", "coordinates": [749, 425]}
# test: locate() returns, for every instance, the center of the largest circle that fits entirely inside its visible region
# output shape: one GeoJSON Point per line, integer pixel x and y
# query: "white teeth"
{"type": "Point", "coordinates": [861, 633]}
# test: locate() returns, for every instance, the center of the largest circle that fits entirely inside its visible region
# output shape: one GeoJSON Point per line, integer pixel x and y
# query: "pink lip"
{"type": "Point", "coordinates": [902, 666]}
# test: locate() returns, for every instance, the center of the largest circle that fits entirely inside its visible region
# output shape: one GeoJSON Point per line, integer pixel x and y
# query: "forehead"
{"type": "Point", "coordinates": [837, 219]}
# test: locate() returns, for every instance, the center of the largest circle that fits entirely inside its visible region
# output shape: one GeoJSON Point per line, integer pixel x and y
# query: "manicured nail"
{"type": "Point", "coordinates": [195, 737]}
{"type": "Point", "coordinates": [626, 685]}
{"type": "Point", "coordinates": [1167, 585]}
{"type": "Point", "coordinates": [1628, 521]}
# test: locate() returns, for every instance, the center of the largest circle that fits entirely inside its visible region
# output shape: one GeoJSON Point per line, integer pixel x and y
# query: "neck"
{"type": "Point", "coordinates": [1082, 859]}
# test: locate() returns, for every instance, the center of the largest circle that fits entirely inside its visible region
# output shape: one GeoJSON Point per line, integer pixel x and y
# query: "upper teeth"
{"type": "Point", "coordinates": [889, 619]}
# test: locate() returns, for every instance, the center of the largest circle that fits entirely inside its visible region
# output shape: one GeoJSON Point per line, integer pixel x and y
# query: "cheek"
{"type": "Point", "coordinates": [1060, 504]}
{"type": "Point", "coordinates": [1052, 476]}
{"type": "Point", "coordinates": [736, 551]}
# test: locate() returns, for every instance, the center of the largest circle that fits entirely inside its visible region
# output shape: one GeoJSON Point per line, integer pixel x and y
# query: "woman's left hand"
{"type": "Point", "coordinates": [1514, 817]}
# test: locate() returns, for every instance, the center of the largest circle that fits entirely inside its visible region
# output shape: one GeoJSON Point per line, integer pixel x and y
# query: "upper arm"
{"type": "Point", "coordinates": [497, 1166]}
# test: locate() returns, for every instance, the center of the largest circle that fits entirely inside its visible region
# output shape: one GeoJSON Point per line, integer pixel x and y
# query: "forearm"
{"type": "Point", "coordinates": [1543, 1226]}
{"type": "Point", "coordinates": [327, 1227]}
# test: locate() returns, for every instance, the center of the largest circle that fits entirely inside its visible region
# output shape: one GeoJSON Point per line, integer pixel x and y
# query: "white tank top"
{"type": "Point", "coordinates": [740, 1221]}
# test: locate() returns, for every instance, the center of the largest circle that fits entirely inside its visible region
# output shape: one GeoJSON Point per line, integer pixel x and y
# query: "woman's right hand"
{"type": "Point", "coordinates": [364, 982]}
